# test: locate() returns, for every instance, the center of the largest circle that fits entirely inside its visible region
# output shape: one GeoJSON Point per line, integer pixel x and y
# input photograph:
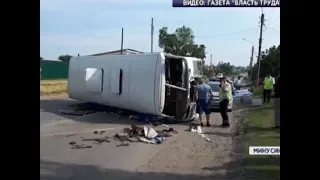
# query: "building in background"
{"type": "Point", "coordinates": [56, 69]}
{"type": "Point", "coordinates": [118, 52]}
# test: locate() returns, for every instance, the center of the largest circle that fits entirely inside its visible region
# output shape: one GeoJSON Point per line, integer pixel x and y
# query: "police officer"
{"type": "Point", "coordinates": [225, 95]}
{"type": "Point", "coordinates": [267, 88]}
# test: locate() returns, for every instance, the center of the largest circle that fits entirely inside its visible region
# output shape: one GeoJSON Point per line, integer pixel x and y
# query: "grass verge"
{"type": "Point", "coordinates": [258, 91]}
{"type": "Point", "coordinates": [53, 87]}
{"type": "Point", "coordinates": [260, 133]}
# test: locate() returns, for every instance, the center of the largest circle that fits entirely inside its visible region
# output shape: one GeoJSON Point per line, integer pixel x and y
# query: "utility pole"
{"type": "Point", "coordinates": [152, 30]}
{"type": "Point", "coordinates": [251, 61]}
{"type": "Point", "coordinates": [121, 41]}
{"type": "Point", "coordinates": [260, 42]}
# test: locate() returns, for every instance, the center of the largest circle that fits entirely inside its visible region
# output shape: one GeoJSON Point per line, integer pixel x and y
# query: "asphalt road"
{"type": "Point", "coordinates": [49, 110]}
{"type": "Point", "coordinates": [183, 156]}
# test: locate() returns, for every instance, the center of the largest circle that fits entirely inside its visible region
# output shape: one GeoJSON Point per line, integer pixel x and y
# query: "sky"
{"type": "Point", "coordinates": [94, 26]}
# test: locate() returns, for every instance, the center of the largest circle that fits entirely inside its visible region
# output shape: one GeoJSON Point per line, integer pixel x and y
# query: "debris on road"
{"type": "Point", "coordinates": [69, 135]}
{"type": "Point", "coordinates": [99, 132]}
{"type": "Point", "coordinates": [123, 144]}
{"type": "Point", "coordinates": [170, 130]}
{"type": "Point", "coordinates": [125, 137]}
{"type": "Point", "coordinates": [149, 133]}
{"type": "Point", "coordinates": [81, 146]}
{"type": "Point", "coordinates": [145, 140]}
{"type": "Point", "coordinates": [196, 128]}
{"type": "Point", "coordinates": [98, 140]}
{"type": "Point", "coordinates": [144, 134]}
{"type": "Point", "coordinates": [75, 113]}
{"type": "Point", "coordinates": [166, 126]}
{"type": "Point", "coordinates": [74, 145]}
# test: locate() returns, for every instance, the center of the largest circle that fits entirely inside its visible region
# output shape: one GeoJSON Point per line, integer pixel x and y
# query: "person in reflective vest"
{"type": "Point", "coordinates": [267, 88]}
{"type": "Point", "coordinates": [225, 95]}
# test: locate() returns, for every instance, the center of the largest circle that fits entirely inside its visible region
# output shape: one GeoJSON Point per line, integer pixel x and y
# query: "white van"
{"type": "Point", "coordinates": [154, 83]}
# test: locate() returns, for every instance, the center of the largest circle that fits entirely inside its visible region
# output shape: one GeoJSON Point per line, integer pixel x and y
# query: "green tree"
{"type": "Point", "coordinates": [208, 71]}
{"type": "Point", "coordinates": [224, 68]}
{"type": "Point", "coordinates": [65, 58]}
{"type": "Point", "coordinates": [270, 63]}
{"type": "Point", "coordinates": [181, 43]}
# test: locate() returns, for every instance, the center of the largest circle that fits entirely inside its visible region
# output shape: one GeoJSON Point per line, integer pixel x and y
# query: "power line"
{"type": "Point", "coordinates": [218, 35]}
{"type": "Point", "coordinates": [209, 36]}
{"type": "Point", "coordinates": [146, 44]}
{"type": "Point", "coordinates": [273, 28]}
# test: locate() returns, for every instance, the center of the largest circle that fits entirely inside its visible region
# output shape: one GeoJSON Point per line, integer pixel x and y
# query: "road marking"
{"type": "Point", "coordinates": [55, 123]}
{"type": "Point", "coordinates": [74, 133]}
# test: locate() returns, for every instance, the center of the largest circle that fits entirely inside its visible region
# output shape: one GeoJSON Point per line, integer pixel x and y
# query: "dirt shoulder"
{"type": "Point", "coordinates": [191, 154]}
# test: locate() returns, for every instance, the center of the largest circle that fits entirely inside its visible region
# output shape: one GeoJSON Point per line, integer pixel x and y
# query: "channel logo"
{"type": "Point", "coordinates": [264, 150]}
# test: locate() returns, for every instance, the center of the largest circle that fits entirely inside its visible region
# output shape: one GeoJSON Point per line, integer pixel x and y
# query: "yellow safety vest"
{"type": "Point", "coordinates": [268, 83]}
{"type": "Point", "coordinates": [222, 93]}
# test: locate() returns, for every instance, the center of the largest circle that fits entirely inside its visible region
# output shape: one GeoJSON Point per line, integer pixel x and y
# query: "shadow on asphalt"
{"type": "Point", "coordinates": [55, 105]}
{"type": "Point", "coordinates": [58, 171]}
{"type": "Point", "coordinates": [249, 168]}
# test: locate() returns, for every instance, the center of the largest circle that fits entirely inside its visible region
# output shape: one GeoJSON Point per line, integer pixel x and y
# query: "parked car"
{"type": "Point", "coordinates": [214, 79]}
{"type": "Point", "coordinates": [215, 85]}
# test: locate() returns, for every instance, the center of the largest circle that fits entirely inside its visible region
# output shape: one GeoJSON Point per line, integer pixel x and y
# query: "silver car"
{"type": "Point", "coordinates": [215, 85]}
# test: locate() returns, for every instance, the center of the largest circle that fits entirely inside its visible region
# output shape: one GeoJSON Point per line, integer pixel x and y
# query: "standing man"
{"type": "Point", "coordinates": [267, 88]}
{"type": "Point", "coordinates": [225, 95]}
{"type": "Point", "coordinates": [238, 83]}
{"type": "Point", "coordinates": [203, 96]}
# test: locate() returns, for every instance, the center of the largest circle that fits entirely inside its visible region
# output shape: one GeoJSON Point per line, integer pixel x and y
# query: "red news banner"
{"type": "Point", "coordinates": [226, 3]}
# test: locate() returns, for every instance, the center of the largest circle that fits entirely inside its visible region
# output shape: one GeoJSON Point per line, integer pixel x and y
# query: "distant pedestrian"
{"type": "Point", "coordinates": [225, 95]}
{"type": "Point", "coordinates": [267, 88]}
{"type": "Point", "coordinates": [238, 83]}
{"type": "Point", "coordinates": [203, 96]}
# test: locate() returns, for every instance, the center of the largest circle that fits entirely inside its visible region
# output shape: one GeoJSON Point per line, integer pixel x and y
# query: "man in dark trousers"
{"type": "Point", "coordinates": [203, 96]}
{"type": "Point", "coordinates": [267, 88]}
{"type": "Point", "coordinates": [225, 95]}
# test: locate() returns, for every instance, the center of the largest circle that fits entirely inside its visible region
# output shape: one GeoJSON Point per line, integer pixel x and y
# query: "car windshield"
{"type": "Point", "coordinates": [214, 87]}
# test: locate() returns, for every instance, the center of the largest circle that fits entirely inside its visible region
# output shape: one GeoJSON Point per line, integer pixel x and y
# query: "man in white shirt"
{"type": "Point", "coordinates": [238, 83]}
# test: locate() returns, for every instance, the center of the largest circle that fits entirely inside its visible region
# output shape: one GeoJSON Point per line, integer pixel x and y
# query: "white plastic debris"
{"type": "Point", "coordinates": [193, 130]}
{"type": "Point", "coordinates": [166, 126]}
{"type": "Point", "coordinates": [196, 130]}
{"type": "Point", "coordinates": [199, 130]}
{"type": "Point", "coordinates": [149, 133]}
{"type": "Point", "coordinates": [142, 139]}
